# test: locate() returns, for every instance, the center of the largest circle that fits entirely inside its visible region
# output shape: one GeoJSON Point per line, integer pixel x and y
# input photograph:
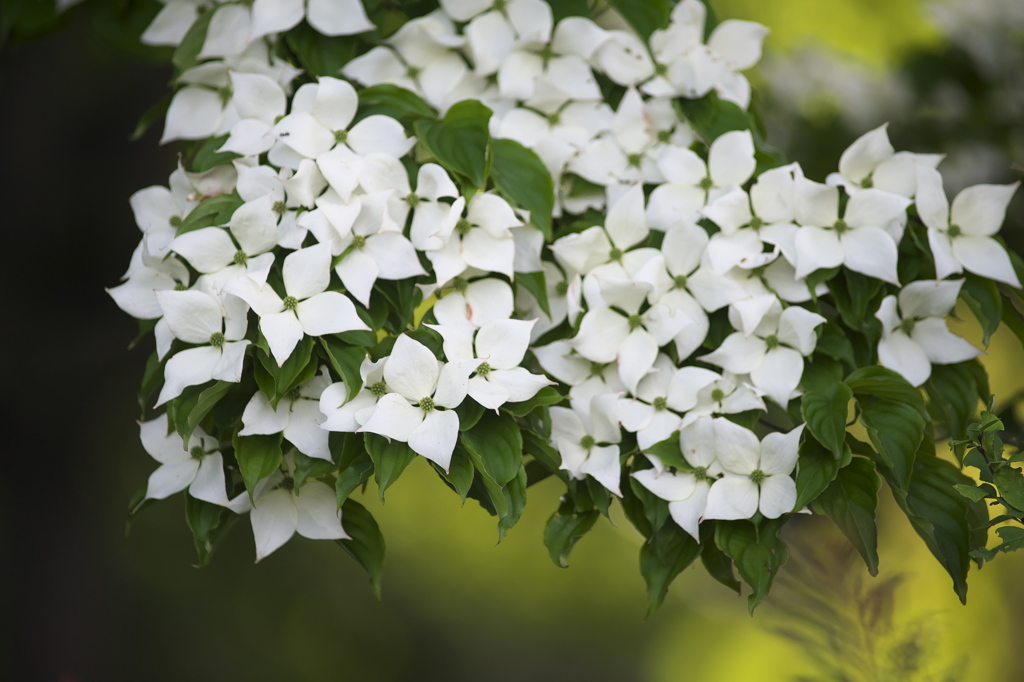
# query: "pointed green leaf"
{"type": "Point", "coordinates": [365, 542]}
{"type": "Point", "coordinates": [345, 360]}
{"type": "Point", "coordinates": [521, 176]}
{"type": "Point", "coordinates": [498, 441]}
{"type": "Point", "coordinates": [816, 467]}
{"type": "Point", "coordinates": [645, 17]}
{"type": "Point", "coordinates": [206, 213]}
{"type": "Point", "coordinates": [717, 563]}
{"type": "Point", "coordinates": [896, 430]}
{"type": "Point", "coordinates": [564, 529]}
{"type": "Point", "coordinates": [534, 283]}
{"type": "Point", "coordinates": [757, 553]}
{"type": "Point", "coordinates": [850, 501]}
{"type": "Point", "coordinates": [390, 458]}
{"type": "Point", "coordinates": [257, 456]}
{"type": "Point", "coordinates": [669, 452]}
{"type": "Point", "coordinates": [209, 524]}
{"type": "Point", "coordinates": [187, 53]}
{"type": "Point", "coordinates": [825, 411]}
{"type": "Point", "coordinates": [460, 473]}
{"type": "Point", "coordinates": [320, 55]}
{"type": "Point", "coordinates": [1010, 482]}
{"type": "Point", "coordinates": [664, 556]}
{"type": "Point", "coordinates": [879, 382]}
{"type": "Point", "coordinates": [459, 141]}
{"type": "Point", "coordinates": [982, 297]}
{"type": "Point", "coordinates": [395, 102]}
{"type": "Point", "coordinates": [954, 396]}
{"type": "Point", "coordinates": [546, 396]}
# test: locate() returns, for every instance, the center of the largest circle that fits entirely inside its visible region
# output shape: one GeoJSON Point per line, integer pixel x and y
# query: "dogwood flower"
{"type": "Point", "coordinates": [661, 396]}
{"type": "Point", "coordinates": [961, 236]}
{"type": "Point", "coordinates": [474, 303]}
{"type": "Point", "coordinates": [481, 239]}
{"type": "Point", "coordinates": [756, 475]}
{"type": "Point", "coordinates": [914, 332]}
{"type": "Point", "coordinates": [297, 415]}
{"type": "Point", "coordinates": [327, 17]}
{"type": "Point", "coordinates": [578, 436]}
{"type": "Point", "coordinates": [872, 162]}
{"type": "Point", "coordinates": [346, 412]}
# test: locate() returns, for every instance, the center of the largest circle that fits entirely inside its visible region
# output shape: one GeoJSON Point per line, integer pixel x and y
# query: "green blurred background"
{"type": "Point", "coordinates": [85, 603]}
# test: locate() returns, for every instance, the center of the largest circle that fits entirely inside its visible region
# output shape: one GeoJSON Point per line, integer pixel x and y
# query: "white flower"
{"type": "Point", "coordinates": [306, 307]}
{"type": "Point", "coordinates": [199, 467]}
{"type": "Point", "coordinates": [482, 239]}
{"type": "Point", "coordinates": [297, 415]}
{"type": "Point", "coordinates": [345, 414]}
{"type": "Point", "coordinates": [327, 17]}
{"type": "Point", "coordinates": [872, 162]}
{"type": "Point", "coordinates": [474, 303]}
{"type": "Point", "coordinates": [495, 29]}
{"type": "Point", "coordinates": [756, 475]}
{"type": "Point", "coordinates": [916, 337]}
{"type": "Point", "coordinates": [280, 509]}
{"type": "Point", "coordinates": [578, 435]}
{"type": "Point", "coordinates": [420, 385]}
{"type": "Point", "coordinates": [961, 236]}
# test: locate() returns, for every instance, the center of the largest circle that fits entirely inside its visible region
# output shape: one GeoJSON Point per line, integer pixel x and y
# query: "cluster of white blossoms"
{"type": "Point", "coordinates": [343, 270]}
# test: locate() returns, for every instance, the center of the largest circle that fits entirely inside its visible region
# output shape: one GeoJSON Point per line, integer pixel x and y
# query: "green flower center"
{"type": "Point", "coordinates": [225, 94]}
{"type": "Point", "coordinates": [664, 135]}
{"type": "Point", "coordinates": [867, 183]}
{"type": "Point", "coordinates": [460, 285]}
{"type": "Point", "coordinates": [634, 321]}
{"type": "Point", "coordinates": [196, 452]}
{"type": "Point", "coordinates": [463, 226]}
{"type": "Point", "coordinates": [413, 200]}
{"type": "Point", "coordinates": [175, 221]}
{"type": "Point", "coordinates": [615, 254]}
{"type": "Point", "coordinates": [587, 442]}
{"type": "Point", "coordinates": [413, 72]}
{"type": "Point", "coordinates": [217, 339]}
{"type": "Point", "coordinates": [717, 395]}
{"type": "Point", "coordinates": [290, 303]}
{"type": "Point", "coordinates": [659, 404]}
{"type": "Point", "coordinates": [499, 5]}
{"type": "Point", "coordinates": [378, 389]}
{"type": "Point", "coordinates": [340, 136]}
{"type": "Point", "coordinates": [280, 207]}
{"type": "Point", "coordinates": [635, 159]}
{"type": "Point", "coordinates": [660, 69]}
{"type": "Point", "coordinates": [293, 394]}
{"type": "Point", "coordinates": [596, 369]}
{"type": "Point", "coordinates": [706, 183]}
{"type": "Point", "coordinates": [771, 341]}
{"type": "Point", "coordinates": [954, 231]}
{"type": "Point", "coordinates": [840, 226]}
{"type": "Point", "coordinates": [756, 223]}
{"type": "Point", "coordinates": [701, 473]}
{"type": "Point", "coordinates": [240, 257]}
{"type": "Point", "coordinates": [757, 477]}
{"type": "Point", "coordinates": [908, 325]}
{"type": "Point", "coordinates": [358, 241]}
{"type": "Point", "coordinates": [562, 288]}
{"type": "Point", "coordinates": [288, 483]}
{"type": "Point", "coordinates": [554, 119]}
{"type": "Point", "coordinates": [679, 282]}
{"type": "Point", "coordinates": [483, 370]}
{"type": "Point", "coordinates": [427, 404]}
{"type": "Point", "coordinates": [546, 53]}
{"type": "Point", "coordinates": [180, 286]}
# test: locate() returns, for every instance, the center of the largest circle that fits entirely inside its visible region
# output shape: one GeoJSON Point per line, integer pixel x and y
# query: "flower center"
{"type": "Point", "coordinates": [587, 442]}
{"type": "Point", "coordinates": [615, 254]}
{"type": "Point", "coordinates": [840, 226]}
{"type": "Point", "coordinates": [180, 286]}
{"type": "Point", "coordinates": [288, 483]}
{"type": "Point", "coordinates": [413, 72]}
{"type": "Point", "coordinates": [483, 370]}
{"type": "Point", "coordinates": [679, 282]}
{"type": "Point", "coordinates": [280, 207]}
{"type": "Point", "coordinates": [664, 136]}
{"type": "Point", "coordinates": [757, 477]}
{"type": "Point", "coordinates": [175, 221]}
{"type": "Point", "coordinates": [554, 119]}
{"type": "Point", "coordinates": [660, 69]}
{"type": "Point", "coordinates": [340, 136]}
{"type": "Point", "coordinates": [954, 231]}
{"type": "Point", "coordinates": [217, 339]}
{"type": "Point", "coordinates": [413, 200]}
{"type": "Point", "coordinates": [596, 369]}
{"type": "Point", "coordinates": [460, 285]}
{"type": "Point", "coordinates": [562, 288]}
{"type": "Point", "coordinates": [659, 404]}
{"type": "Point", "coordinates": [427, 404]}
{"type": "Point", "coordinates": [635, 159]}
{"type": "Point", "coordinates": [867, 183]}
{"type": "Point", "coordinates": [908, 325]}
{"type": "Point", "coordinates": [290, 303]}
{"type": "Point", "coordinates": [771, 341]}
{"type": "Point", "coordinates": [706, 183]}
{"type": "Point", "coordinates": [225, 94]}
{"type": "Point", "coordinates": [701, 473]}
{"type": "Point", "coordinates": [717, 395]}
{"type": "Point", "coordinates": [196, 452]}
{"type": "Point", "coordinates": [756, 223]}
{"type": "Point", "coordinates": [634, 321]}
{"type": "Point", "coordinates": [358, 241]}
{"type": "Point", "coordinates": [378, 389]}
{"type": "Point", "coordinates": [240, 257]}
{"type": "Point", "coordinates": [293, 394]}
{"type": "Point", "coordinates": [463, 226]}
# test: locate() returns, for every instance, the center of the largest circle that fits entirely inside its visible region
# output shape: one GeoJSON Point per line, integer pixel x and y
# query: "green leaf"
{"type": "Point", "coordinates": [320, 55]}
{"type": "Point", "coordinates": [1010, 482]}
{"type": "Point", "coordinates": [534, 283]}
{"type": "Point", "coordinates": [825, 411]}
{"type": "Point", "coordinates": [548, 395]}
{"type": "Point", "coordinates": [469, 412]}
{"type": "Point", "coordinates": [712, 117]}
{"type": "Point", "coordinates": [498, 441]}
{"type": "Point", "coordinates": [669, 452]}
{"type": "Point", "coordinates": [354, 474]}
{"type": "Point", "coordinates": [880, 382]}
{"type": "Point", "coordinates": [307, 467]}
{"type": "Point", "coordinates": [515, 498]}
{"type": "Point", "coordinates": [976, 493]}
{"type": "Point", "coordinates": [152, 379]}
{"type": "Point", "coordinates": [654, 509]}
{"type": "Point", "coordinates": [850, 501]}
{"type": "Point", "coordinates": [564, 529]}
{"type": "Point", "coordinates": [718, 564]}
{"type": "Point", "coordinates": [206, 213]}
{"type": "Point", "coordinates": [395, 102]}
{"type": "Point", "coordinates": [834, 343]}
{"type": "Point", "coordinates": [365, 542]}
{"type": "Point", "coordinates": [853, 295]}
{"type": "Point", "coordinates": [664, 556]}
{"type": "Point", "coordinates": [953, 395]}
{"type": "Point", "coordinates": [460, 473]}
{"type": "Point", "coordinates": [150, 117]}
{"type": "Point", "coordinates": [257, 456]}
{"type": "Point", "coordinates": [1012, 537]}
{"type": "Point", "coordinates": [541, 450]}
{"type": "Point", "coordinates": [569, 8]}
{"type": "Point", "coordinates": [982, 297]}
{"type": "Point", "coordinates": [757, 553]}
{"type": "Point", "coordinates": [816, 467]}
{"type": "Point", "coordinates": [345, 360]}
{"type": "Point", "coordinates": [207, 157]}
{"type": "Point", "coordinates": [390, 458]}
{"type": "Point", "coordinates": [520, 175]}
{"type": "Point", "coordinates": [186, 55]}
{"type": "Point", "coordinates": [204, 402]}
{"type": "Point", "coordinates": [209, 524]}
{"type": "Point", "coordinates": [896, 430]}
{"type": "Point", "coordinates": [459, 141]}
{"type": "Point", "coordinates": [645, 17]}
{"type": "Point", "coordinates": [295, 370]}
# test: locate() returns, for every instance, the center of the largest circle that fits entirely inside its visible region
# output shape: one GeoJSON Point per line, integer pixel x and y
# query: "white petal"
{"type": "Point", "coordinates": [731, 498]}
{"type": "Point", "coordinates": [379, 134]}
{"type": "Point", "coordinates": [318, 515]}
{"type": "Point", "coordinates": [900, 354]}
{"type": "Point", "coordinates": [736, 448]}
{"type": "Point", "coordinates": [192, 315]}
{"type": "Point", "coordinates": [738, 42]}
{"type": "Point", "coordinates": [260, 418]}
{"type": "Point", "coordinates": [980, 210]}
{"type": "Point", "coordinates": [779, 452]}
{"type": "Point", "coordinates": [932, 205]}
{"type": "Point", "coordinates": [667, 486]}
{"type": "Point", "coordinates": [818, 249]}
{"type": "Point", "coordinates": [869, 251]}
{"type": "Point", "coordinates": [338, 18]}
{"type": "Point", "coordinates": [738, 354]}
{"type": "Point", "coordinates": [411, 369]}
{"type": "Point", "coordinates": [394, 418]}
{"type": "Point", "coordinates": [984, 256]}
{"type": "Point", "coordinates": [687, 513]}
{"type": "Point", "coordinates": [503, 342]}
{"type": "Point", "coordinates": [866, 152]}
{"type": "Point", "coordinates": [435, 437]}
{"type": "Point", "coordinates": [207, 250]}
{"type": "Point", "coordinates": [731, 158]}
{"type": "Point", "coordinates": [603, 465]}
{"type": "Point", "coordinates": [274, 520]}
{"type": "Point", "coordinates": [779, 375]}
{"type": "Point", "coordinates": [282, 331]}
{"type": "Point", "coordinates": [946, 262]}
{"type": "Point", "coordinates": [228, 32]}
{"type": "Point", "coordinates": [275, 16]}
{"type": "Point", "coordinates": [209, 484]}
{"type": "Point", "coordinates": [171, 478]}
{"type": "Point", "coordinates": [189, 367]}
{"type": "Point", "coordinates": [601, 334]}
{"type": "Point", "coordinates": [778, 495]}
{"type": "Point", "coordinates": [942, 346]}
{"type": "Point", "coordinates": [303, 431]}
{"type": "Point", "coordinates": [929, 298]}
{"type": "Point", "coordinates": [254, 225]}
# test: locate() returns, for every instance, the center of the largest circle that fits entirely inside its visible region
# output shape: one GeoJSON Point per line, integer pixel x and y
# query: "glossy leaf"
{"type": "Point", "coordinates": [498, 441]}
{"type": "Point", "coordinates": [757, 553]}
{"type": "Point", "coordinates": [520, 175]}
{"type": "Point", "coordinates": [257, 456]}
{"type": "Point", "coordinates": [459, 141]}
{"type": "Point", "coordinates": [850, 501]}
{"type": "Point", "coordinates": [564, 529]}
{"type": "Point", "coordinates": [390, 458]}
{"type": "Point", "coordinates": [365, 542]}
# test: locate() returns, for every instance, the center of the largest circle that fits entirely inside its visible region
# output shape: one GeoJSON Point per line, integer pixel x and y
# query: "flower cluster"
{"type": "Point", "coordinates": [520, 245]}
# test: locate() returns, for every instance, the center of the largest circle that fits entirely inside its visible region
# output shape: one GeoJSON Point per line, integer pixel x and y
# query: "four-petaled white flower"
{"type": "Point", "coordinates": [577, 436]}
{"type": "Point", "coordinates": [297, 415]}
